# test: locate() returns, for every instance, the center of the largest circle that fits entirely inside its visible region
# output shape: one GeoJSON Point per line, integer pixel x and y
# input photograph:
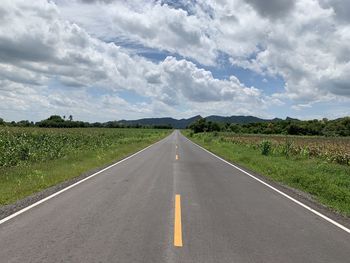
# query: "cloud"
{"type": "Point", "coordinates": [341, 8]}
{"type": "Point", "coordinates": [155, 25]}
{"type": "Point", "coordinates": [94, 1]}
{"type": "Point", "coordinates": [198, 85]}
{"type": "Point", "coordinates": [305, 42]}
{"type": "Point", "coordinates": [64, 53]}
{"type": "Point", "coordinates": [41, 47]}
{"type": "Point", "coordinates": [272, 8]}
{"type": "Point", "coordinates": [308, 49]}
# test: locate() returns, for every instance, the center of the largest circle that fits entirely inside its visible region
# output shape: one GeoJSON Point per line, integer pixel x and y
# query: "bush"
{"type": "Point", "coordinates": [265, 146]}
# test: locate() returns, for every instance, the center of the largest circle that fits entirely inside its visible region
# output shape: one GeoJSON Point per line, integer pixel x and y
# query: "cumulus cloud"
{"type": "Point", "coordinates": [312, 57]}
{"type": "Point", "coordinates": [40, 48]}
{"type": "Point", "coordinates": [37, 48]}
{"type": "Point", "coordinates": [272, 8]}
{"type": "Point", "coordinates": [199, 85]}
{"type": "Point", "coordinates": [305, 42]}
{"type": "Point", "coordinates": [307, 45]}
{"type": "Point", "coordinates": [341, 8]}
{"type": "Point", "coordinates": [153, 24]}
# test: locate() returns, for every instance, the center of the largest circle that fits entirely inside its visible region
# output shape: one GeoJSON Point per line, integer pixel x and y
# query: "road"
{"type": "Point", "coordinates": [128, 213]}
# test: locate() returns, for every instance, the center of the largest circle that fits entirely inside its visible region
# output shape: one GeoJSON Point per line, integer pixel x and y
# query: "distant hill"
{"type": "Point", "coordinates": [239, 119]}
{"type": "Point", "coordinates": [177, 124]}
{"type": "Point", "coordinates": [183, 123]}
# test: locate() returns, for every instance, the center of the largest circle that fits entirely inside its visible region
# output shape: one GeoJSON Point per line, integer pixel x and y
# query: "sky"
{"type": "Point", "coordinates": [101, 60]}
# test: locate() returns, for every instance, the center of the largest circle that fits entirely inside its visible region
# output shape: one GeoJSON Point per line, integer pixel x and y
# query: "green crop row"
{"type": "Point", "coordinates": [33, 159]}
{"type": "Point", "coordinates": [330, 149]}
{"type": "Point", "coordinates": [22, 146]}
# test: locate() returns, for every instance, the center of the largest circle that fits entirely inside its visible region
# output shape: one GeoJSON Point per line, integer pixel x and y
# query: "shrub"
{"type": "Point", "coordinates": [265, 146]}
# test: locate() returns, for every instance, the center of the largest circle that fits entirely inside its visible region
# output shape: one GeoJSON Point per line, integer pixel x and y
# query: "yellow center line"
{"type": "Point", "coordinates": [177, 226]}
{"type": "Point", "coordinates": [176, 146]}
{"type": "Point", "coordinates": [177, 157]}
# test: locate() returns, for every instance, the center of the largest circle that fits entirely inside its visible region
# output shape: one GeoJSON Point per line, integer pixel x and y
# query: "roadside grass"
{"type": "Point", "coordinates": [328, 183]}
{"type": "Point", "coordinates": [17, 182]}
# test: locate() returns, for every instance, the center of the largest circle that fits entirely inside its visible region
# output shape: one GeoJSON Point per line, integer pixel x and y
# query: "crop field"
{"type": "Point", "coordinates": [330, 149]}
{"type": "Point", "coordinates": [22, 146]}
{"type": "Point", "coordinates": [318, 166]}
{"type": "Point", "coordinates": [32, 159]}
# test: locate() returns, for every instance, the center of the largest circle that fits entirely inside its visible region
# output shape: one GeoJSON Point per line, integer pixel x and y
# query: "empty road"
{"type": "Point", "coordinates": [173, 202]}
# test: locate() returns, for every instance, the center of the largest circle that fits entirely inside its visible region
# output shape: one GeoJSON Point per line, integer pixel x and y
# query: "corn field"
{"type": "Point", "coordinates": [21, 146]}
{"type": "Point", "coordinates": [331, 149]}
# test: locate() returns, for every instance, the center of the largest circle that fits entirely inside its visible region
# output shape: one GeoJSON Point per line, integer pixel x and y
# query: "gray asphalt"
{"type": "Point", "coordinates": [126, 214]}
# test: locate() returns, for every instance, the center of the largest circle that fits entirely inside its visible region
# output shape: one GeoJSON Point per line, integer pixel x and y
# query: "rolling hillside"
{"type": "Point", "coordinates": [183, 123]}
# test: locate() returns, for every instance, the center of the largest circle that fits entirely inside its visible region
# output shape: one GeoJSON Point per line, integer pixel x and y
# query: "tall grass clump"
{"type": "Point", "coordinates": [265, 147]}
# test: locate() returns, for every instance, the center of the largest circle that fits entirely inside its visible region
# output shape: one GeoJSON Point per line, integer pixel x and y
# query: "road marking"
{"type": "Point", "coordinates": [177, 223]}
{"type": "Point", "coordinates": [176, 146]}
{"type": "Point", "coordinates": [278, 191]}
{"type": "Point", "coordinates": [177, 157]}
{"type": "Point", "coordinates": [73, 185]}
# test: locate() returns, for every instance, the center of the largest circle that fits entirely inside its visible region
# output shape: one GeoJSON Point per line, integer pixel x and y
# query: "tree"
{"type": "Point", "coordinates": [24, 123]}
{"type": "Point", "coordinates": [212, 126]}
{"type": "Point", "coordinates": [55, 118]}
{"type": "Point", "coordinates": [294, 129]}
{"type": "Point", "coordinates": [236, 128]}
{"type": "Point", "coordinates": [199, 125]}
{"type": "Point", "coordinates": [54, 121]}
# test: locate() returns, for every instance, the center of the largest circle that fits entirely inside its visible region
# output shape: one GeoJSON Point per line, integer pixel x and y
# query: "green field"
{"type": "Point", "coordinates": [316, 165]}
{"type": "Point", "coordinates": [32, 159]}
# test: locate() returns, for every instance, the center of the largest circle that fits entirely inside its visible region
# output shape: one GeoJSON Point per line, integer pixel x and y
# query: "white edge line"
{"type": "Point", "coordinates": [278, 191]}
{"type": "Point", "coordinates": [72, 185]}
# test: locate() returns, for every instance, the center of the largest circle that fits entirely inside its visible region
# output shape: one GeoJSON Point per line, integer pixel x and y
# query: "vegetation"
{"type": "Point", "coordinates": [316, 165]}
{"type": "Point", "coordinates": [324, 127]}
{"type": "Point", "coordinates": [202, 125]}
{"type": "Point", "coordinates": [329, 149]}
{"type": "Point", "coordinates": [32, 159]}
{"type": "Point", "coordinates": [265, 146]}
{"type": "Point", "coordinates": [56, 121]}
{"type": "Point", "coordinates": [236, 124]}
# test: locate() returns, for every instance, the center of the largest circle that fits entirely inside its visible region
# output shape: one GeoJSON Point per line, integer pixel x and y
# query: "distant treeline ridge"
{"type": "Point", "coordinates": [56, 121]}
{"type": "Point", "coordinates": [324, 127]}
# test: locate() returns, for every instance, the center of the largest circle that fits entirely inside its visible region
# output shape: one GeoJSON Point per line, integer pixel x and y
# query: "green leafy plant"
{"type": "Point", "coordinates": [265, 146]}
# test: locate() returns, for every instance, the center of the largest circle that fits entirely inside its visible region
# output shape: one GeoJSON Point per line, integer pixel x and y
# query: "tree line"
{"type": "Point", "coordinates": [56, 121]}
{"type": "Point", "coordinates": [324, 127]}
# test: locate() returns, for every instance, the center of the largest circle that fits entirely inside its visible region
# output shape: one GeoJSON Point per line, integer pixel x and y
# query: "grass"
{"type": "Point", "coordinates": [30, 175]}
{"type": "Point", "coordinates": [328, 183]}
{"type": "Point", "coordinates": [330, 149]}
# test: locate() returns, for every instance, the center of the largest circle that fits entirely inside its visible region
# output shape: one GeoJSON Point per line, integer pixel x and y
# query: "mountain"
{"type": "Point", "coordinates": [177, 124]}
{"type": "Point", "coordinates": [183, 123]}
{"type": "Point", "coordinates": [239, 119]}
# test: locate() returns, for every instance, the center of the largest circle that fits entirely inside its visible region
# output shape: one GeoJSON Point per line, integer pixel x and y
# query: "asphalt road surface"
{"type": "Point", "coordinates": [173, 202]}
